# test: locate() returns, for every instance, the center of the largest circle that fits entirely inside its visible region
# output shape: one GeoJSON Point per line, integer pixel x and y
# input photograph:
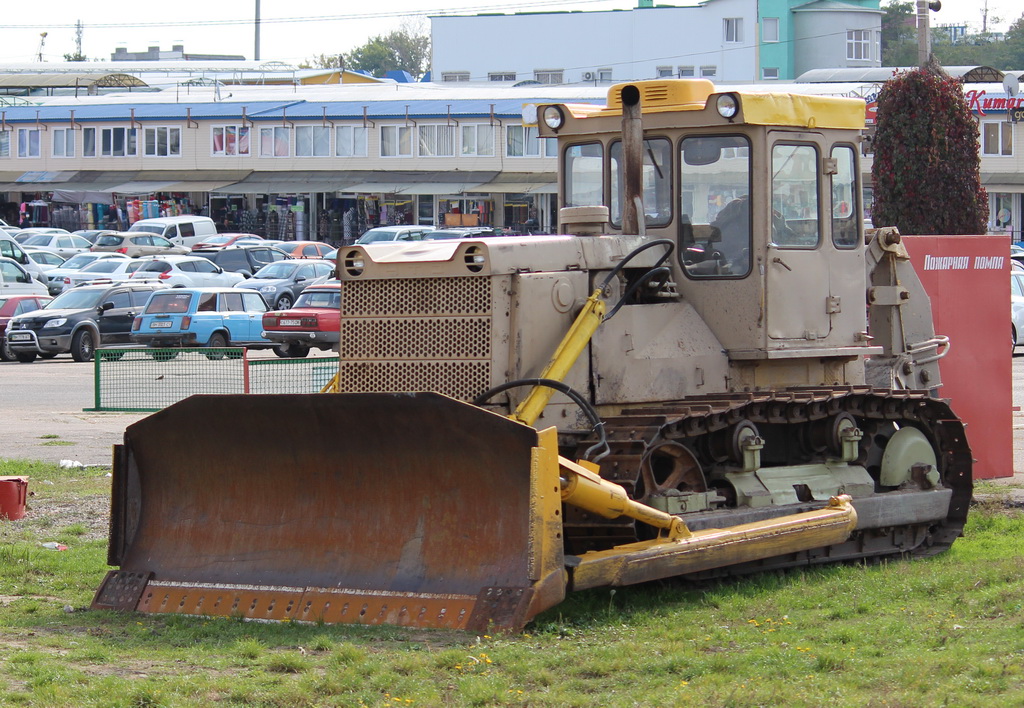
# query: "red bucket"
{"type": "Point", "coordinates": [13, 495]}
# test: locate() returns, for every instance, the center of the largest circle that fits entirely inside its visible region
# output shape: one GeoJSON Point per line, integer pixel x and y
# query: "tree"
{"type": "Point", "coordinates": [899, 36]}
{"type": "Point", "coordinates": [926, 169]}
{"type": "Point", "coordinates": [75, 57]}
{"type": "Point", "coordinates": [400, 50]}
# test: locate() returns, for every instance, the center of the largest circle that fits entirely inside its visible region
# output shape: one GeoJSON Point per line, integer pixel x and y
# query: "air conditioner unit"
{"type": "Point", "coordinates": [589, 75]}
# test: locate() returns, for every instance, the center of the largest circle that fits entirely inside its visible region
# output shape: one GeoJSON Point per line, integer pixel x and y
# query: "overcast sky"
{"type": "Point", "coordinates": [294, 30]}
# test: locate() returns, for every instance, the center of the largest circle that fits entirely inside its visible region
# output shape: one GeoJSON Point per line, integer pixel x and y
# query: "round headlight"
{"type": "Point", "coordinates": [553, 117]}
{"type": "Point", "coordinates": [727, 105]}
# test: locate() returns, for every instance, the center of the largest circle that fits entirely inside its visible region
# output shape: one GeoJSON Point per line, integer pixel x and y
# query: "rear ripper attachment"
{"type": "Point", "coordinates": [407, 509]}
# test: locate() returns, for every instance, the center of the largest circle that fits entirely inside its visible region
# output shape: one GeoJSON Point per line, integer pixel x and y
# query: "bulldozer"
{"type": "Point", "coordinates": [711, 370]}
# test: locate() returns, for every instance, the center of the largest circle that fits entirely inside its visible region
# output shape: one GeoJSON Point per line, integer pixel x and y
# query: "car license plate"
{"type": "Point", "coordinates": [290, 323]}
{"type": "Point", "coordinates": [19, 336]}
{"type": "Point", "coordinates": [165, 324]}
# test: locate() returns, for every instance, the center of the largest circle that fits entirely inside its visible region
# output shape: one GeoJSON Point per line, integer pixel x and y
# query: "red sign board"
{"type": "Point", "coordinates": [968, 281]}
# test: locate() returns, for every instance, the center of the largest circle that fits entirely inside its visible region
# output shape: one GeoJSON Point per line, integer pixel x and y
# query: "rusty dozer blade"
{"type": "Point", "coordinates": [408, 509]}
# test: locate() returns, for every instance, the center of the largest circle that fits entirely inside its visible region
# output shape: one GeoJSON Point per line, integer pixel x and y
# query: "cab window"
{"type": "Point", "coordinates": [584, 175]}
{"type": "Point", "coordinates": [657, 182]}
{"type": "Point", "coordinates": [714, 209]}
{"type": "Point", "coordinates": [845, 207]}
{"type": "Point", "coordinates": [795, 211]}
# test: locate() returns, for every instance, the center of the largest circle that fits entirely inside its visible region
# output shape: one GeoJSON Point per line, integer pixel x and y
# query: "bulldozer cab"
{"type": "Point", "coordinates": [759, 192]}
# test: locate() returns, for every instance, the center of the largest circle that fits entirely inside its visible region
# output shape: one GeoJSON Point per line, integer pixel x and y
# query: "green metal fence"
{"type": "Point", "coordinates": [142, 380]}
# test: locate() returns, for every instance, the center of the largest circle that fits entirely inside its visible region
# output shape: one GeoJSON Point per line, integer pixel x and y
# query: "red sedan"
{"type": "Point", "coordinates": [16, 305]}
{"type": "Point", "coordinates": [305, 249]}
{"type": "Point", "coordinates": [314, 321]}
{"type": "Point", "coordinates": [222, 240]}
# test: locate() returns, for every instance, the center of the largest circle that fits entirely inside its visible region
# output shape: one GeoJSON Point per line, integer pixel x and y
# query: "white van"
{"type": "Point", "coordinates": [15, 280]}
{"type": "Point", "coordinates": [181, 230]}
{"type": "Point", "coordinates": [9, 248]}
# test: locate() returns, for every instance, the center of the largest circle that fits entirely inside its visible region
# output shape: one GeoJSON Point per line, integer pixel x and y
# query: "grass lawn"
{"type": "Point", "coordinates": [945, 631]}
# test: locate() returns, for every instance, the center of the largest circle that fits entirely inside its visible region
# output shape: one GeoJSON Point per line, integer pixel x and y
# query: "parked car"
{"type": "Point", "coordinates": [16, 305]}
{"type": "Point", "coordinates": [182, 230]}
{"type": "Point", "coordinates": [223, 240]}
{"type": "Point", "coordinates": [394, 233]}
{"type": "Point", "coordinates": [105, 270]}
{"type": "Point", "coordinates": [242, 259]}
{"type": "Point", "coordinates": [25, 234]}
{"type": "Point", "coordinates": [314, 321]}
{"type": "Point", "coordinates": [1017, 307]}
{"type": "Point", "coordinates": [55, 277]}
{"type": "Point", "coordinates": [137, 244]}
{"type": "Point", "coordinates": [463, 232]}
{"type": "Point", "coordinates": [78, 321]}
{"type": "Point", "coordinates": [202, 317]}
{"type": "Point", "coordinates": [186, 272]}
{"type": "Point", "coordinates": [280, 283]}
{"type": "Point", "coordinates": [16, 280]}
{"type": "Point", "coordinates": [305, 249]}
{"type": "Point", "coordinates": [91, 235]}
{"type": "Point", "coordinates": [47, 260]}
{"type": "Point", "coordinates": [1016, 256]}
{"type": "Point", "coordinates": [63, 244]}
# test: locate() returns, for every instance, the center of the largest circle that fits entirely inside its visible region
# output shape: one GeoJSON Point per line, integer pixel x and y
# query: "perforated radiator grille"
{"type": "Point", "coordinates": [427, 334]}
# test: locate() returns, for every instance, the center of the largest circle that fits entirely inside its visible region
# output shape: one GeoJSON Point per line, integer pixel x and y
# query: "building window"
{"type": "Point", "coordinates": [63, 142]}
{"type": "Point", "coordinates": [664, 71]}
{"type": "Point", "coordinates": [502, 76]}
{"type": "Point", "coordinates": [28, 142]}
{"type": "Point", "coordinates": [997, 138]}
{"type": "Point", "coordinates": [770, 29]}
{"type": "Point", "coordinates": [275, 142]}
{"type": "Point", "coordinates": [687, 72]}
{"type": "Point", "coordinates": [436, 141]}
{"type": "Point", "coordinates": [162, 142]}
{"type": "Point", "coordinates": [230, 140]}
{"type": "Point", "coordinates": [770, 73]}
{"type": "Point", "coordinates": [312, 141]}
{"type": "Point", "coordinates": [350, 141]}
{"type": "Point", "coordinates": [548, 76]}
{"type": "Point", "coordinates": [455, 76]}
{"type": "Point", "coordinates": [709, 72]}
{"type": "Point", "coordinates": [5, 143]}
{"type": "Point", "coordinates": [113, 142]}
{"type": "Point", "coordinates": [604, 74]}
{"type": "Point", "coordinates": [733, 29]}
{"type": "Point", "coordinates": [858, 44]}
{"type": "Point", "coordinates": [395, 141]}
{"type": "Point", "coordinates": [478, 140]}
{"type": "Point", "coordinates": [522, 141]}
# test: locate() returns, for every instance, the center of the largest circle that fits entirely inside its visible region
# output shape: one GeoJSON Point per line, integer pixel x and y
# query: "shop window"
{"type": "Point", "coordinates": [230, 140]}
{"type": "Point", "coordinates": [312, 141]}
{"type": "Point", "coordinates": [350, 141]}
{"type": "Point", "coordinates": [436, 141]}
{"type": "Point", "coordinates": [997, 138]}
{"type": "Point", "coordinates": [478, 140]}
{"type": "Point", "coordinates": [770, 29]}
{"type": "Point", "coordinates": [28, 142]}
{"type": "Point", "coordinates": [395, 141]}
{"type": "Point", "coordinates": [5, 143]}
{"type": "Point", "coordinates": [275, 142]}
{"type": "Point", "coordinates": [63, 142]}
{"type": "Point", "coordinates": [162, 142]}
{"type": "Point", "coordinates": [522, 141]}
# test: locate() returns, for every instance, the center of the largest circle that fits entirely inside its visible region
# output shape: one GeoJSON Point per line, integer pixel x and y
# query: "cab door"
{"type": "Point", "coordinates": [797, 264]}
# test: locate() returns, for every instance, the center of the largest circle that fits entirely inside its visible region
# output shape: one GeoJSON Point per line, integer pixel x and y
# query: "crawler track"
{"type": "Point", "coordinates": [790, 417]}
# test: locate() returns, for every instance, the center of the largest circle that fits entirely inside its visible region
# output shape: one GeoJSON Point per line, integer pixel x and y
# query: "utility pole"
{"type": "Point", "coordinates": [924, 34]}
{"type": "Point", "coordinates": [256, 54]}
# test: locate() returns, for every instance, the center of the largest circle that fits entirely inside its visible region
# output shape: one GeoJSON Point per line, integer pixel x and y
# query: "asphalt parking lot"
{"type": "Point", "coordinates": [44, 416]}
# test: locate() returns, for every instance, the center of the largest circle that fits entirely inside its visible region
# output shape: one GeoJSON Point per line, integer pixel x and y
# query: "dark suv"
{"type": "Point", "coordinates": [242, 259]}
{"type": "Point", "coordinates": [78, 321]}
